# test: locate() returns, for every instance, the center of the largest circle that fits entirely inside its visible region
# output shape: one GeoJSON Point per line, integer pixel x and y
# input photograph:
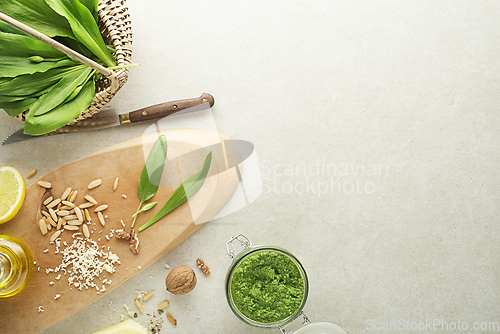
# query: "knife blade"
{"type": "Point", "coordinates": [108, 117]}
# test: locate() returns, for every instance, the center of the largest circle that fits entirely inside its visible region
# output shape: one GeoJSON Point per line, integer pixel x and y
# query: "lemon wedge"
{"type": "Point", "coordinates": [12, 192]}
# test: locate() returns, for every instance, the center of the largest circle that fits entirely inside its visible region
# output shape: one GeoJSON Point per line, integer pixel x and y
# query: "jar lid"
{"type": "Point", "coordinates": [320, 328]}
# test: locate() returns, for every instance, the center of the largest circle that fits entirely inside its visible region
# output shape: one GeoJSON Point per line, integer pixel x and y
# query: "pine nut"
{"type": "Point", "coordinates": [86, 231]}
{"type": "Point", "coordinates": [66, 193]}
{"type": "Point", "coordinates": [87, 216]}
{"type": "Point", "coordinates": [163, 305]}
{"type": "Point", "coordinates": [73, 196]}
{"type": "Point", "coordinates": [55, 235]}
{"type": "Point", "coordinates": [45, 184]}
{"type": "Point", "coordinates": [139, 306]}
{"type": "Point", "coordinates": [53, 214]}
{"type": "Point", "coordinates": [100, 208]}
{"type": "Point", "coordinates": [91, 199]}
{"type": "Point", "coordinates": [172, 320]}
{"type": "Point", "coordinates": [48, 200]}
{"type": "Point", "coordinates": [74, 222]}
{"type": "Point", "coordinates": [101, 218]}
{"type": "Point", "coordinates": [51, 222]}
{"type": "Point", "coordinates": [79, 214]}
{"type": "Point", "coordinates": [94, 184]}
{"type": "Point", "coordinates": [86, 205]}
{"type": "Point", "coordinates": [148, 295]}
{"type": "Point", "coordinates": [54, 203]}
{"type": "Point", "coordinates": [43, 227]}
{"type": "Point", "coordinates": [31, 174]}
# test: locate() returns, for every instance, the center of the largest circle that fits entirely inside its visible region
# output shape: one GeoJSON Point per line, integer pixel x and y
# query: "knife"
{"type": "Point", "coordinates": [108, 117]}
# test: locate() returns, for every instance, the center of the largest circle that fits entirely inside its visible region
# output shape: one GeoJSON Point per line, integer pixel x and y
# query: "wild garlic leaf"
{"type": "Point", "coordinates": [91, 6]}
{"type": "Point", "coordinates": [77, 46]}
{"type": "Point", "coordinates": [5, 27]}
{"type": "Point", "coordinates": [153, 169]}
{"type": "Point", "coordinates": [17, 107]}
{"type": "Point", "coordinates": [12, 66]}
{"type": "Point", "coordinates": [24, 46]}
{"type": "Point", "coordinates": [7, 98]}
{"type": "Point", "coordinates": [146, 207]}
{"type": "Point", "coordinates": [30, 84]}
{"type": "Point", "coordinates": [61, 115]}
{"type": "Point", "coordinates": [187, 189]}
{"type": "Point", "coordinates": [61, 90]}
{"type": "Point", "coordinates": [84, 27]}
{"type": "Point", "coordinates": [38, 15]}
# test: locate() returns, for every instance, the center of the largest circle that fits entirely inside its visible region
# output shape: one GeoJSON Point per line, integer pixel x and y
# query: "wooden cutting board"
{"type": "Point", "coordinates": [126, 161]}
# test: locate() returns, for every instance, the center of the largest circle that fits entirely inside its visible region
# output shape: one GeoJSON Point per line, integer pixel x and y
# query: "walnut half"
{"type": "Point", "coordinates": [204, 268]}
{"type": "Point", "coordinates": [134, 242]}
{"type": "Point", "coordinates": [122, 234]}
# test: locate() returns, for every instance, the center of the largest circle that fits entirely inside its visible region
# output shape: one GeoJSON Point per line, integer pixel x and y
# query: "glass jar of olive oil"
{"type": "Point", "coordinates": [16, 265]}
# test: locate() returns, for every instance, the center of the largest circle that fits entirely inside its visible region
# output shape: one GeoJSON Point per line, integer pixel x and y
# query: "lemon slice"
{"type": "Point", "coordinates": [12, 191]}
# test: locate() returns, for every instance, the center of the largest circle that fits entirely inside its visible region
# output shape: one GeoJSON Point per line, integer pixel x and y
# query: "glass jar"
{"type": "Point", "coordinates": [16, 266]}
{"type": "Point", "coordinates": [248, 252]}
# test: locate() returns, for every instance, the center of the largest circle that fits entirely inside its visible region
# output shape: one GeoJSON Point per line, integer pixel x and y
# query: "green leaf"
{"type": "Point", "coordinates": [146, 207]}
{"type": "Point", "coordinates": [74, 45]}
{"type": "Point", "coordinates": [16, 66]}
{"type": "Point", "coordinates": [6, 98]}
{"type": "Point", "coordinates": [29, 84]}
{"type": "Point", "coordinates": [17, 107]}
{"type": "Point", "coordinates": [38, 15]}
{"type": "Point", "coordinates": [61, 90]}
{"type": "Point", "coordinates": [91, 6]}
{"type": "Point", "coordinates": [23, 46]}
{"type": "Point", "coordinates": [187, 189]}
{"type": "Point", "coordinates": [73, 94]}
{"type": "Point", "coordinates": [5, 27]}
{"type": "Point", "coordinates": [153, 169]}
{"type": "Point", "coordinates": [151, 173]}
{"type": "Point", "coordinates": [62, 115]}
{"type": "Point", "coordinates": [3, 81]}
{"type": "Point", "coordinates": [84, 27]}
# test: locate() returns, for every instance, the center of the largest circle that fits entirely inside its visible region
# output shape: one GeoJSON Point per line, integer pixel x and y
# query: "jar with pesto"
{"type": "Point", "coordinates": [266, 286]}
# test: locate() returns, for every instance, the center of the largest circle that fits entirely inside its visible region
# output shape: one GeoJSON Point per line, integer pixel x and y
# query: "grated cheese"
{"type": "Point", "coordinates": [84, 262]}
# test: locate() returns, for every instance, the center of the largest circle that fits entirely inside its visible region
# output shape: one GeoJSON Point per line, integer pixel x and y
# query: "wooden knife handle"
{"type": "Point", "coordinates": [169, 108]}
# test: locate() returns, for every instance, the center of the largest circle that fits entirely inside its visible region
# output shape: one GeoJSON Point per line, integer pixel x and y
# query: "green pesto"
{"type": "Point", "coordinates": [267, 287]}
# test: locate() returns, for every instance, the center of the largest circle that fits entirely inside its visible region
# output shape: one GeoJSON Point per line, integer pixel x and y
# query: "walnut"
{"type": "Point", "coordinates": [204, 268]}
{"type": "Point", "coordinates": [181, 280]}
{"type": "Point", "coordinates": [134, 242]}
{"type": "Point", "coordinates": [122, 234]}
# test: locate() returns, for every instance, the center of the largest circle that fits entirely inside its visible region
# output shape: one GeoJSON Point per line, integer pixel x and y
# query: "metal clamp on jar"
{"type": "Point", "coordinates": [267, 287]}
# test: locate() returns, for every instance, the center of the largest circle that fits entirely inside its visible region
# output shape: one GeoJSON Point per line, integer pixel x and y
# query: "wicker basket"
{"type": "Point", "coordinates": [115, 27]}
